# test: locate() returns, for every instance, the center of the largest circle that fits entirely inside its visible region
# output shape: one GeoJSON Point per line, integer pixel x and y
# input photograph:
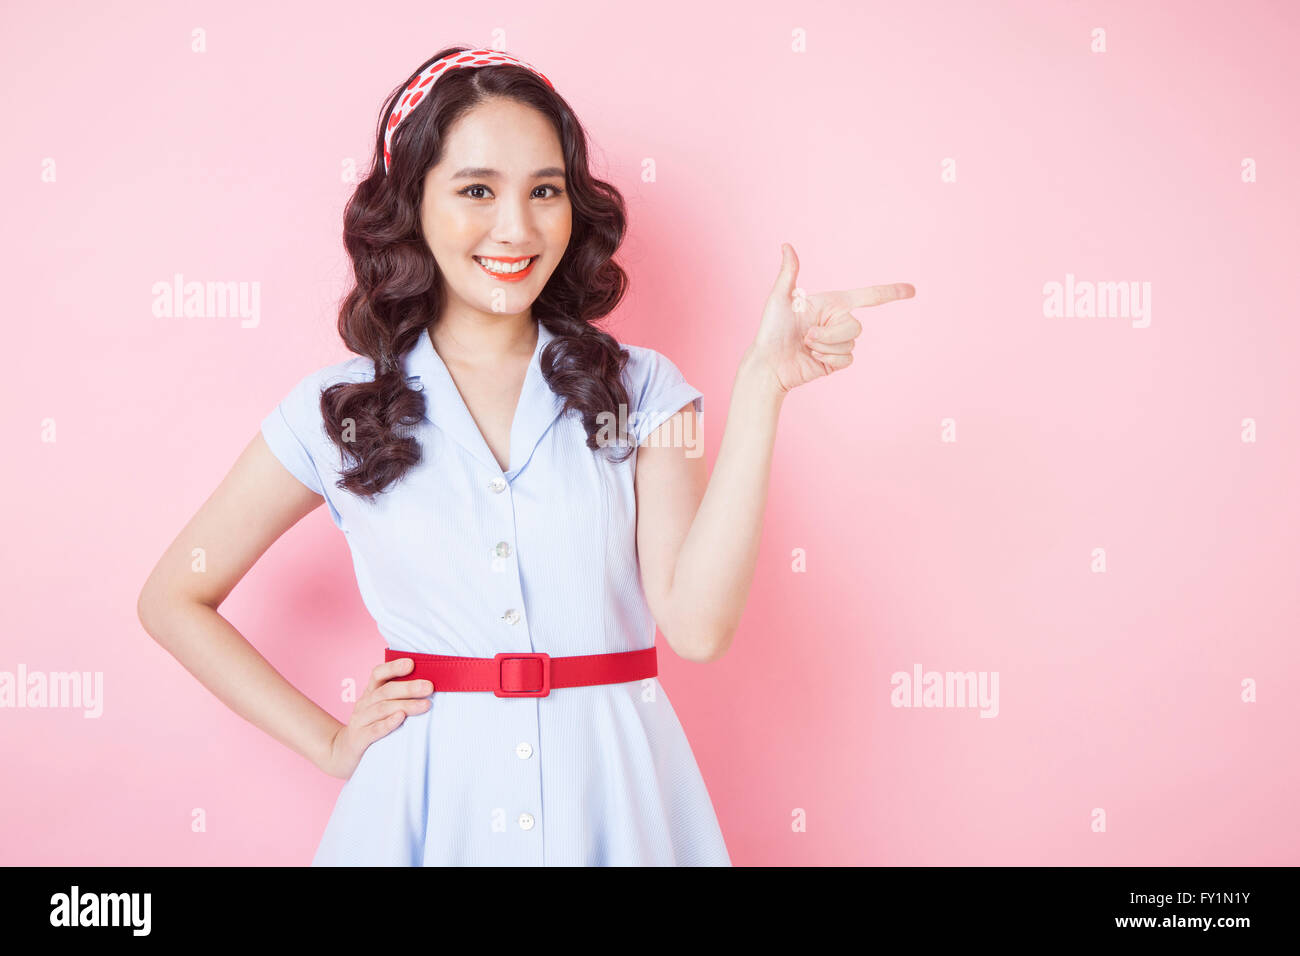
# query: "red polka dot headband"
{"type": "Point", "coordinates": [421, 84]}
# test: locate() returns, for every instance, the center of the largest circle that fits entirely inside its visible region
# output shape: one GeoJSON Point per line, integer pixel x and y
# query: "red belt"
{"type": "Point", "coordinates": [527, 674]}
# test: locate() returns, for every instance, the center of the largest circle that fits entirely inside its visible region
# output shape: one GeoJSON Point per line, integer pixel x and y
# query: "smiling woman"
{"type": "Point", "coordinates": [510, 543]}
{"type": "Point", "coordinates": [486, 219]}
{"type": "Point", "coordinates": [516, 553]}
{"type": "Point", "coordinates": [517, 718]}
{"type": "Point", "coordinates": [484, 175]}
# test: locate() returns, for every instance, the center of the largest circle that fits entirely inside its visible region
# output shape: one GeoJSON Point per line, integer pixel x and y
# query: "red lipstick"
{"type": "Point", "coordinates": [510, 277]}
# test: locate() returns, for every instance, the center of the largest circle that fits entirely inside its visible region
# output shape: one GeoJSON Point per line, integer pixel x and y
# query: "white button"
{"type": "Point", "coordinates": [503, 549]}
{"type": "Point", "coordinates": [511, 616]}
{"type": "Point", "coordinates": [523, 750]}
{"type": "Point", "coordinates": [497, 484]}
{"type": "Point", "coordinates": [525, 821]}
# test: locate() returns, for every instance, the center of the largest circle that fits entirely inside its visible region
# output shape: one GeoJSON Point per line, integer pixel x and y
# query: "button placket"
{"type": "Point", "coordinates": [502, 554]}
{"type": "Point", "coordinates": [501, 551]}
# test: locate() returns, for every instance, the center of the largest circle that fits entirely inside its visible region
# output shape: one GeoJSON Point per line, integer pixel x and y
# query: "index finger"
{"type": "Point", "coordinates": [390, 669]}
{"type": "Point", "coordinates": [879, 294]}
{"type": "Point", "coordinates": [395, 689]}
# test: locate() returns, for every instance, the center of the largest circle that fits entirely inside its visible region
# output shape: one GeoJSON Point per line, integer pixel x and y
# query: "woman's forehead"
{"type": "Point", "coordinates": [510, 138]}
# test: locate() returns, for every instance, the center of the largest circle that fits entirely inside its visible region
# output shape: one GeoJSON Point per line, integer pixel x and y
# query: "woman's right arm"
{"type": "Point", "coordinates": [254, 504]}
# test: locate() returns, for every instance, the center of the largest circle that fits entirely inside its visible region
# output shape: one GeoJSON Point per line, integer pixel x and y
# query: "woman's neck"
{"type": "Point", "coordinates": [484, 342]}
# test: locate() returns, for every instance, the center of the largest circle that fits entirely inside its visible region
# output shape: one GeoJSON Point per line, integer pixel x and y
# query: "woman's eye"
{"type": "Point", "coordinates": [469, 191]}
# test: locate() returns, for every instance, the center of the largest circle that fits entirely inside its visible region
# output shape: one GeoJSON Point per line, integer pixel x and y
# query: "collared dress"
{"type": "Point", "coordinates": [459, 557]}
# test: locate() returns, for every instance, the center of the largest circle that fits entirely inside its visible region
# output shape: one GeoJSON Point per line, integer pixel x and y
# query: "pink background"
{"type": "Point", "coordinates": [1118, 690]}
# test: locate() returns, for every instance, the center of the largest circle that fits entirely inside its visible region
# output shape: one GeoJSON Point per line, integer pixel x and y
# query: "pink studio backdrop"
{"type": "Point", "coordinates": [979, 152]}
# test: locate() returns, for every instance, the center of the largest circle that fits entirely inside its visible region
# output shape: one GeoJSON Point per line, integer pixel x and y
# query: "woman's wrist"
{"type": "Point", "coordinates": [325, 744]}
{"type": "Point", "coordinates": [757, 376]}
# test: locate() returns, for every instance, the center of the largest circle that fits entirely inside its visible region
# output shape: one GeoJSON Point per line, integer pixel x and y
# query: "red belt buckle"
{"type": "Point", "coordinates": [500, 691]}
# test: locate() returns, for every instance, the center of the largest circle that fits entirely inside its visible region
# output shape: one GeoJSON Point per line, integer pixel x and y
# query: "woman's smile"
{"type": "Point", "coordinates": [507, 270]}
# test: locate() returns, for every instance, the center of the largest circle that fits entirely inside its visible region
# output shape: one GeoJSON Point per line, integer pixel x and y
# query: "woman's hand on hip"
{"type": "Point", "coordinates": [380, 710]}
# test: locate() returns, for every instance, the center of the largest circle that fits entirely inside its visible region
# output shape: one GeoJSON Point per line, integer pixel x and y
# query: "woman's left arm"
{"type": "Point", "coordinates": [698, 535]}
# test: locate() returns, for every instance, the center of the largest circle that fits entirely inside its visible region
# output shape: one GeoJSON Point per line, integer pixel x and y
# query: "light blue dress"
{"type": "Point", "coordinates": [459, 557]}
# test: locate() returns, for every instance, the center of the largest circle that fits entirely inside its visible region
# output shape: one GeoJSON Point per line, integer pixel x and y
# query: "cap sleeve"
{"type": "Point", "coordinates": [659, 390]}
{"type": "Point", "coordinates": [296, 436]}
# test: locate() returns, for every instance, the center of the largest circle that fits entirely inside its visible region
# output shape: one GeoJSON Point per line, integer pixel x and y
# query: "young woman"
{"type": "Point", "coordinates": [524, 499]}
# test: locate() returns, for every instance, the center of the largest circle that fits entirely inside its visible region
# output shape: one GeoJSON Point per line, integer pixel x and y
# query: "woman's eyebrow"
{"type": "Point", "coordinates": [482, 172]}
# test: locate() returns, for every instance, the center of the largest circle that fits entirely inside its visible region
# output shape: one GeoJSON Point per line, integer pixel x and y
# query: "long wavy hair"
{"type": "Point", "coordinates": [398, 292]}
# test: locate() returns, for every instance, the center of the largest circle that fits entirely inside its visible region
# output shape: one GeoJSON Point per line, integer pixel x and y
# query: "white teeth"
{"type": "Point", "coordinates": [505, 268]}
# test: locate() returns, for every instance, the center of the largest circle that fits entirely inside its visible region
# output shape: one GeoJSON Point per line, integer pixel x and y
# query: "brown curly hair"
{"type": "Point", "coordinates": [398, 292]}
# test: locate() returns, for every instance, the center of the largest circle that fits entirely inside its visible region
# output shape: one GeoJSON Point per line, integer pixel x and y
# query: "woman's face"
{"type": "Point", "coordinates": [498, 193]}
